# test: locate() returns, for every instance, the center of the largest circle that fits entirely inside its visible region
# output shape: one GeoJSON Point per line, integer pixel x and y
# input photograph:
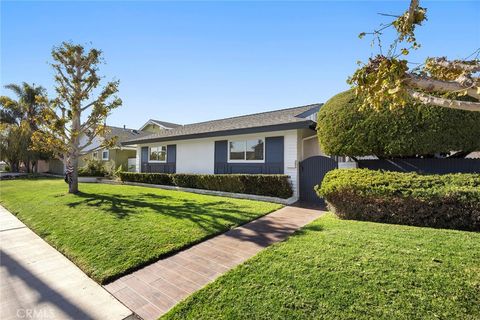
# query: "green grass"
{"type": "Point", "coordinates": [108, 230]}
{"type": "Point", "coordinates": [337, 269]}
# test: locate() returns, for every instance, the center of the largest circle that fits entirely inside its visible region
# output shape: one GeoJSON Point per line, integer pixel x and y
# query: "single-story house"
{"type": "Point", "coordinates": [263, 143]}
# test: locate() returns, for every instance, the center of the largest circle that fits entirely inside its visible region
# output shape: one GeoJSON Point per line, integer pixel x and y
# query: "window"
{"type": "Point", "coordinates": [158, 154]}
{"type": "Point", "coordinates": [105, 154]}
{"type": "Point", "coordinates": [246, 150]}
{"type": "Point", "coordinates": [95, 155]}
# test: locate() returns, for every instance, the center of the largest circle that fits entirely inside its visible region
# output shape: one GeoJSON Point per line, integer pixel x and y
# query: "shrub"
{"type": "Point", "coordinates": [345, 130]}
{"type": "Point", "coordinates": [257, 184]}
{"type": "Point", "coordinates": [441, 201]}
{"type": "Point", "coordinates": [151, 178]}
{"type": "Point", "coordinates": [279, 185]}
{"type": "Point", "coordinates": [93, 168]}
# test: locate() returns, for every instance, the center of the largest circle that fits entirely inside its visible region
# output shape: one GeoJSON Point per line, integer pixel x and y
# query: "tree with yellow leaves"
{"type": "Point", "coordinates": [387, 80]}
{"type": "Point", "coordinates": [62, 130]}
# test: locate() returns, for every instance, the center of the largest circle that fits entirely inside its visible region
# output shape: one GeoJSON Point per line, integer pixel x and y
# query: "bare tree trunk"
{"type": "Point", "coordinates": [27, 164]}
{"type": "Point", "coordinates": [14, 166]}
{"type": "Point", "coordinates": [76, 124]}
{"type": "Point", "coordinates": [73, 187]}
{"type": "Point", "coordinates": [75, 143]}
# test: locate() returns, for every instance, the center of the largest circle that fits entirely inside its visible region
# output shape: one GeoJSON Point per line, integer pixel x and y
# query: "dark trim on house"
{"type": "Point", "coordinates": [309, 112]}
{"type": "Point", "coordinates": [274, 155]}
{"type": "Point", "coordinates": [277, 127]}
{"type": "Point", "coordinates": [159, 167]}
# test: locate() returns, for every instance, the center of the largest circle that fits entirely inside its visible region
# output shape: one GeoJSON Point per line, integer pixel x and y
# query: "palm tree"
{"type": "Point", "coordinates": [18, 119]}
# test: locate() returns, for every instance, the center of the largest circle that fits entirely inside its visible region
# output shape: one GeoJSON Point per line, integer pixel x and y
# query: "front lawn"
{"type": "Point", "coordinates": [335, 269]}
{"type": "Point", "coordinates": [108, 230]}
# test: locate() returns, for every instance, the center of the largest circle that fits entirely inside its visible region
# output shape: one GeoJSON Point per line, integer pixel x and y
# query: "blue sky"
{"type": "Point", "coordinates": [186, 62]}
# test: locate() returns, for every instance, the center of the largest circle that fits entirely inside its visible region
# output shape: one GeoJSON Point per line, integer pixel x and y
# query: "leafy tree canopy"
{"type": "Point", "coordinates": [18, 121]}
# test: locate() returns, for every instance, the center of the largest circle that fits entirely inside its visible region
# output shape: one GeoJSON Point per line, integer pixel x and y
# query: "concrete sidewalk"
{"type": "Point", "coordinates": [37, 282]}
{"type": "Point", "coordinates": [152, 291]}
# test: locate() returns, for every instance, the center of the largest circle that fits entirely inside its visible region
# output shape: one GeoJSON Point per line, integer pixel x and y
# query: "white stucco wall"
{"type": "Point", "coordinates": [311, 148]}
{"type": "Point", "coordinates": [97, 141]}
{"type": "Point", "coordinates": [290, 158]}
{"type": "Point", "coordinates": [137, 159]}
{"type": "Point", "coordinates": [198, 155]}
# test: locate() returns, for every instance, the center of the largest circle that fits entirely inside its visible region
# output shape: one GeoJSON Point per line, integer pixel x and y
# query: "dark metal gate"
{"type": "Point", "coordinates": [312, 171]}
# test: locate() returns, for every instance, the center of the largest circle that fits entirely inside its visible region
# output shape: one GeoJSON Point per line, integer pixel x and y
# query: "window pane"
{"type": "Point", "coordinates": [162, 153]}
{"type": "Point", "coordinates": [154, 153]}
{"type": "Point", "coordinates": [255, 149]}
{"type": "Point", "coordinates": [237, 150]}
{"type": "Point", "coordinates": [158, 153]}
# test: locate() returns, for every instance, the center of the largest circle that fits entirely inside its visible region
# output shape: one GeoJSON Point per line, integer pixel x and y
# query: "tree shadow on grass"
{"type": "Point", "coordinates": [264, 232]}
{"type": "Point", "coordinates": [209, 215]}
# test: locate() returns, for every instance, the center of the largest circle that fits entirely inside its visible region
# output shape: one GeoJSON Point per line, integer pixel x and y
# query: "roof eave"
{"type": "Point", "coordinates": [276, 127]}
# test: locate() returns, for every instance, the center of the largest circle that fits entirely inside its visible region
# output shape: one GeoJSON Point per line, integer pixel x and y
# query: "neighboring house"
{"type": "Point", "coordinates": [264, 143]}
{"type": "Point", "coordinates": [156, 126]}
{"type": "Point", "coordinates": [117, 155]}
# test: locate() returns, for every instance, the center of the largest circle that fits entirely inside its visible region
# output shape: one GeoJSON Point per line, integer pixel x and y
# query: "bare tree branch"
{"type": "Point", "coordinates": [442, 102]}
{"type": "Point", "coordinates": [433, 85]}
{"type": "Point", "coordinates": [411, 11]}
{"type": "Point", "coordinates": [462, 65]}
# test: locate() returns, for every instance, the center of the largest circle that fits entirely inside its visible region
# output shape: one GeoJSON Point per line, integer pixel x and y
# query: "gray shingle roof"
{"type": "Point", "coordinates": [283, 119]}
{"type": "Point", "coordinates": [124, 134]}
{"type": "Point", "coordinates": [166, 124]}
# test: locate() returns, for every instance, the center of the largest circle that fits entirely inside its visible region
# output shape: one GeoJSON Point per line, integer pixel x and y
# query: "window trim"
{"type": "Point", "coordinates": [157, 161]}
{"type": "Point", "coordinates": [245, 160]}
{"type": "Point", "coordinates": [108, 155]}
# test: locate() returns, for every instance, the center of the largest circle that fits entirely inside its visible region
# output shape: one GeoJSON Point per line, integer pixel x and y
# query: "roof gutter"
{"type": "Point", "coordinates": [307, 124]}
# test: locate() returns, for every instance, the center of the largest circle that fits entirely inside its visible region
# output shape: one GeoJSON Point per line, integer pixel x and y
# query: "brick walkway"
{"type": "Point", "coordinates": [152, 291]}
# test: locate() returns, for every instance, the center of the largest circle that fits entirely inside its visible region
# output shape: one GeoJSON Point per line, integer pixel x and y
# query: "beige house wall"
{"type": "Point", "coordinates": [42, 166]}
{"type": "Point", "coordinates": [56, 166]}
{"type": "Point", "coordinates": [116, 157]}
{"type": "Point", "coordinates": [152, 128]}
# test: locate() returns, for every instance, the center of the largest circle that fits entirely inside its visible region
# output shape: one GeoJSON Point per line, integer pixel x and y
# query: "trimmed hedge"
{"type": "Point", "coordinates": [441, 201]}
{"type": "Point", "coordinates": [272, 185]}
{"type": "Point", "coordinates": [344, 130]}
{"type": "Point", "coordinates": [151, 178]}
